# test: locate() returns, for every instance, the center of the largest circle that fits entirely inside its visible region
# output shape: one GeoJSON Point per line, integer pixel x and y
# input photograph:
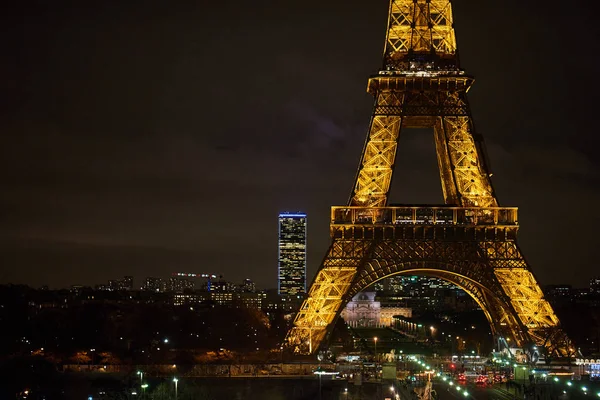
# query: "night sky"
{"type": "Point", "coordinates": [148, 137]}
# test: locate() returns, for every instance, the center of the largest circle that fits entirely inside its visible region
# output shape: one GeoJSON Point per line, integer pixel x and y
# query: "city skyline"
{"type": "Point", "coordinates": [128, 155]}
{"type": "Point", "coordinates": [592, 284]}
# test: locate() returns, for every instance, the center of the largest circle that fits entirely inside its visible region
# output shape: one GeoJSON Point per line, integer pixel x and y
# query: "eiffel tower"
{"type": "Point", "coordinates": [469, 241]}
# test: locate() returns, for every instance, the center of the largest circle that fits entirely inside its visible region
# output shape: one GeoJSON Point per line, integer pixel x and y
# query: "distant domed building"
{"type": "Point", "coordinates": [363, 311]}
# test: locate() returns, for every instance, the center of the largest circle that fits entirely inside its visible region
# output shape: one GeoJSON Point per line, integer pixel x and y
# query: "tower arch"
{"type": "Point", "coordinates": [492, 305]}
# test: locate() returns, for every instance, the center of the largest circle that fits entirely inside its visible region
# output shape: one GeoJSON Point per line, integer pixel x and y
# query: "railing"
{"type": "Point", "coordinates": [424, 216]}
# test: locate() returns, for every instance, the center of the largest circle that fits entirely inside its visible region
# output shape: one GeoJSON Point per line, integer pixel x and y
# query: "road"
{"type": "Point", "coordinates": [446, 392]}
{"type": "Point", "coordinates": [494, 392]}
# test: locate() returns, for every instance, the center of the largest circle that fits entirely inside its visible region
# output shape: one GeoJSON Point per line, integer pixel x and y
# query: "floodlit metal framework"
{"type": "Point", "coordinates": [470, 241]}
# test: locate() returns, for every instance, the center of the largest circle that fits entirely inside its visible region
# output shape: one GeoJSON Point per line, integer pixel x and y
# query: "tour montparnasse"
{"type": "Point", "coordinates": [469, 241]}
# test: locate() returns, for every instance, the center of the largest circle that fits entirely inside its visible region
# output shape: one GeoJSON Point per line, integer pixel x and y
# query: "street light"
{"type": "Point", "coordinates": [375, 340]}
{"type": "Point", "coordinates": [175, 380]}
{"type": "Point", "coordinates": [141, 374]}
{"type": "Point", "coordinates": [144, 386]}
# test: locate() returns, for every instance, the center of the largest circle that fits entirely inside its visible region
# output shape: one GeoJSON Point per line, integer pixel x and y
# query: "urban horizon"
{"type": "Point", "coordinates": [593, 283]}
{"type": "Point", "coordinates": [149, 148]}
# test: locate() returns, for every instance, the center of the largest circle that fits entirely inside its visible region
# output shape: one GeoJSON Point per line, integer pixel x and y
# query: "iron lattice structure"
{"type": "Point", "coordinates": [470, 241]}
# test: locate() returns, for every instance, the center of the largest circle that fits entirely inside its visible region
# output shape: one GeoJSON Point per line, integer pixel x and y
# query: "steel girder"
{"type": "Point", "coordinates": [418, 102]}
{"type": "Point", "coordinates": [326, 296]}
{"type": "Point", "coordinates": [492, 272]}
{"type": "Point", "coordinates": [421, 85]}
{"type": "Point", "coordinates": [420, 26]}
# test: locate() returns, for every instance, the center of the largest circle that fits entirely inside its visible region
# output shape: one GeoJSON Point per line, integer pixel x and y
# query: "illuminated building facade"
{"type": "Point", "coordinates": [154, 285]}
{"type": "Point", "coordinates": [248, 286]}
{"type": "Point", "coordinates": [180, 285]}
{"type": "Point", "coordinates": [222, 286]}
{"type": "Point", "coordinates": [223, 299]}
{"type": "Point", "coordinates": [590, 367]}
{"type": "Point", "coordinates": [292, 254]}
{"type": "Point", "coordinates": [115, 285]}
{"type": "Point", "coordinates": [365, 311]}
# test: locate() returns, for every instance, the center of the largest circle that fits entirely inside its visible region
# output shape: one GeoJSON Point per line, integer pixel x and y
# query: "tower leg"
{"type": "Point", "coordinates": [491, 270]}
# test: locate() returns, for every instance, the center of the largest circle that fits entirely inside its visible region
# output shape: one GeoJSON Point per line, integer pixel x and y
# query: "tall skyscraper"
{"type": "Point", "coordinates": [292, 254]}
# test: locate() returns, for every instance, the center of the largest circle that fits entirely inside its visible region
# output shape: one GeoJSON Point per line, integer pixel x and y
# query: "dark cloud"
{"type": "Point", "coordinates": [148, 137]}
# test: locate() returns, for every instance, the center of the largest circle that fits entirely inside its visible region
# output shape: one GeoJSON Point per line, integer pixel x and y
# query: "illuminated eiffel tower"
{"type": "Point", "coordinates": [469, 241]}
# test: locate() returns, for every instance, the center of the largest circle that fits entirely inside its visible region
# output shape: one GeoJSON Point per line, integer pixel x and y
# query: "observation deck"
{"type": "Point", "coordinates": [429, 81]}
{"type": "Point", "coordinates": [432, 222]}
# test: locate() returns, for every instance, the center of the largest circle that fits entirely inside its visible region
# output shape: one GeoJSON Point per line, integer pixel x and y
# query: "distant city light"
{"type": "Point", "coordinates": [325, 373]}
